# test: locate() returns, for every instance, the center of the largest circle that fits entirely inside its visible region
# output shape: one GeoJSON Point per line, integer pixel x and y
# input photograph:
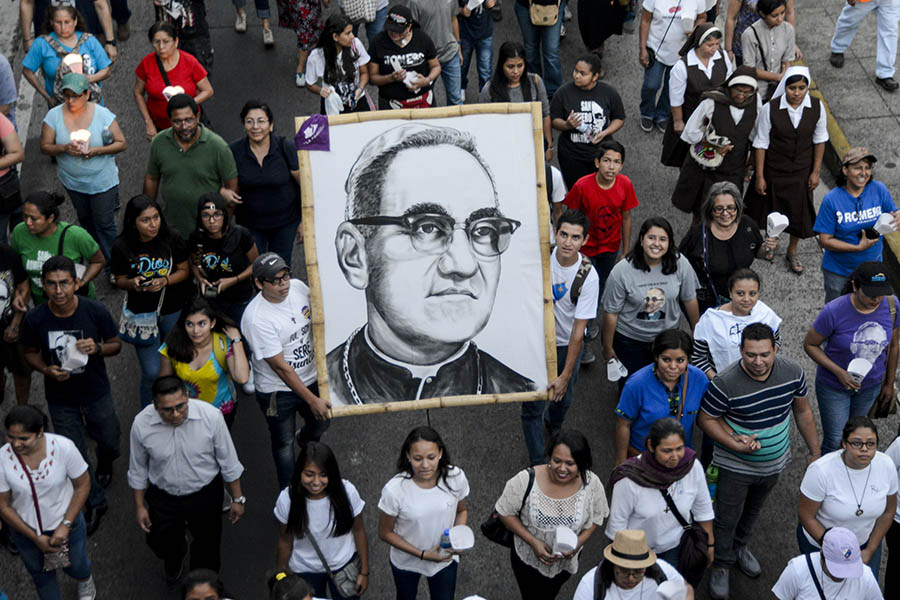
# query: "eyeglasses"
{"type": "Point", "coordinates": [61, 285]}
{"type": "Point", "coordinates": [718, 210]}
{"type": "Point", "coordinates": [858, 444]}
{"type": "Point", "coordinates": [262, 122]}
{"type": "Point", "coordinates": [183, 122]}
{"type": "Point", "coordinates": [283, 279]}
{"type": "Point", "coordinates": [212, 216]}
{"type": "Point", "coordinates": [629, 573]}
{"type": "Point", "coordinates": [171, 410]}
{"type": "Point", "coordinates": [433, 234]}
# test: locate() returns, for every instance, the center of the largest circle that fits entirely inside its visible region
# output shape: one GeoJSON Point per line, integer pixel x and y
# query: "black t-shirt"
{"type": "Point", "coordinates": [50, 334]}
{"type": "Point", "coordinates": [479, 25]}
{"type": "Point", "coordinates": [723, 257]}
{"type": "Point", "coordinates": [598, 107]}
{"type": "Point", "coordinates": [413, 57]}
{"type": "Point", "coordinates": [11, 274]}
{"type": "Point", "coordinates": [224, 257]}
{"type": "Point", "coordinates": [152, 259]}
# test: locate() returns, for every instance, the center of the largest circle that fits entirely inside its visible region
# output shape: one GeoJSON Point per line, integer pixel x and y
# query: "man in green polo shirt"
{"type": "Point", "coordinates": [188, 160]}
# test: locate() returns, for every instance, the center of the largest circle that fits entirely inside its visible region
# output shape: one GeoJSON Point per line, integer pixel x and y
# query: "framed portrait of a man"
{"type": "Point", "coordinates": [427, 252]}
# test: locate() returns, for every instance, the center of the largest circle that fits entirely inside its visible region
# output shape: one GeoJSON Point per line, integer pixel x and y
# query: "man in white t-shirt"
{"type": "Point", "coordinates": [278, 326]}
{"type": "Point", "coordinates": [835, 572]}
{"type": "Point", "coordinates": [575, 286]}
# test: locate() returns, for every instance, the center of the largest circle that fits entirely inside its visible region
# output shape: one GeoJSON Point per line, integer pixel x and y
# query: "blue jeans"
{"type": "Point", "coordinates": [46, 583]}
{"type": "Point", "coordinates": [279, 240]}
{"type": "Point", "coordinates": [542, 47]}
{"type": "Point", "coordinates": [888, 12]}
{"type": "Point", "coordinates": [97, 214]}
{"type": "Point", "coordinates": [836, 406]}
{"type": "Point", "coordinates": [634, 354]}
{"type": "Point", "coordinates": [373, 28]}
{"type": "Point", "coordinates": [149, 357]}
{"type": "Point", "coordinates": [536, 415]}
{"type": "Point", "coordinates": [98, 415]}
{"type": "Point", "coordinates": [484, 50]}
{"type": "Point", "coordinates": [807, 548]}
{"type": "Point", "coordinates": [321, 581]}
{"type": "Point", "coordinates": [655, 77]}
{"type": "Point", "coordinates": [441, 585]}
{"type": "Point", "coordinates": [262, 7]}
{"type": "Point", "coordinates": [450, 75]}
{"type": "Point", "coordinates": [283, 425]}
{"type": "Point", "coordinates": [834, 285]}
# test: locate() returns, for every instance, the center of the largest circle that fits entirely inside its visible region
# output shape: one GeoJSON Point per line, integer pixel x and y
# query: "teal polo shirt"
{"type": "Point", "coordinates": [185, 175]}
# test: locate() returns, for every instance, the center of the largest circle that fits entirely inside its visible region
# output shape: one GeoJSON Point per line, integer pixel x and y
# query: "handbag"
{"type": "Point", "coordinates": [360, 11]}
{"type": "Point", "coordinates": [494, 529]}
{"type": "Point", "coordinates": [885, 409]}
{"type": "Point", "coordinates": [345, 578]}
{"type": "Point", "coordinates": [10, 192]}
{"type": "Point", "coordinates": [544, 14]}
{"type": "Point", "coordinates": [141, 329]}
{"type": "Point", "coordinates": [693, 548]}
{"type": "Point", "coordinates": [52, 560]}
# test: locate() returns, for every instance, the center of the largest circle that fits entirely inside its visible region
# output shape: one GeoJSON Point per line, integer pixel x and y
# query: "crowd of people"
{"type": "Point", "coordinates": [204, 256]}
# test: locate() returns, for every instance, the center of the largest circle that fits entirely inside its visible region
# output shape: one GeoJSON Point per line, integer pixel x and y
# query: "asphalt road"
{"type": "Point", "coordinates": [485, 441]}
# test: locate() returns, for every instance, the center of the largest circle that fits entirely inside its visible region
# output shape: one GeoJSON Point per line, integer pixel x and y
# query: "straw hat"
{"type": "Point", "coordinates": [630, 550]}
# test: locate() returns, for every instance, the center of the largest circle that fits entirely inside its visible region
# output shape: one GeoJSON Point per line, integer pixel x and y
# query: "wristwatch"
{"type": "Point", "coordinates": [67, 523]}
{"type": "Point", "coordinates": [239, 500]}
{"type": "Point", "coordinates": [110, 42]}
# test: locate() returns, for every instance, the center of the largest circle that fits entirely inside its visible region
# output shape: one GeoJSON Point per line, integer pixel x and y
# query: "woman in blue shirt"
{"type": "Point", "coordinates": [68, 26]}
{"type": "Point", "coordinates": [847, 218]}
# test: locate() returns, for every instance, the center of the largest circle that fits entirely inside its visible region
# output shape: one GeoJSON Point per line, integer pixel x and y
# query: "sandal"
{"type": "Point", "coordinates": [794, 263]}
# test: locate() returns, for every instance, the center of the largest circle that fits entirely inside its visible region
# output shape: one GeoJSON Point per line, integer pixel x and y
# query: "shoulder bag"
{"type": "Point", "coordinates": [693, 549]}
{"type": "Point", "coordinates": [812, 573]}
{"type": "Point", "coordinates": [344, 579]}
{"type": "Point", "coordinates": [202, 117]}
{"type": "Point", "coordinates": [650, 51]}
{"type": "Point", "coordinates": [885, 409]}
{"type": "Point", "coordinates": [141, 329]}
{"type": "Point", "coordinates": [494, 529]}
{"type": "Point", "coordinates": [52, 560]}
{"type": "Point", "coordinates": [543, 13]}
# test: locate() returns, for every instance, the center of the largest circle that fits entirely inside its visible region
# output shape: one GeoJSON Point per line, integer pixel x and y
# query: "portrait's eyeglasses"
{"type": "Point", "coordinates": [171, 410]}
{"type": "Point", "coordinates": [654, 298]}
{"type": "Point", "coordinates": [858, 444]}
{"type": "Point", "coordinates": [212, 216]}
{"type": "Point", "coordinates": [718, 210]}
{"type": "Point", "coordinates": [433, 234]}
{"type": "Point", "coordinates": [283, 279]}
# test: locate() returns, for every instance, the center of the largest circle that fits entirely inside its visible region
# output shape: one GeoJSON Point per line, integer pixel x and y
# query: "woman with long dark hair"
{"type": "Point", "coordinates": [335, 67]}
{"type": "Point", "coordinates": [150, 262]}
{"type": "Point", "coordinates": [425, 497]}
{"type": "Point", "coordinates": [320, 516]}
{"type": "Point", "coordinates": [644, 294]}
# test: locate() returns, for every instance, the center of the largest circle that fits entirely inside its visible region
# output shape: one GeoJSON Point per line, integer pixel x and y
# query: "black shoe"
{"type": "Point", "coordinates": [836, 60]}
{"type": "Point", "coordinates": [92, 517]}
{"type": "Point", "coordinates": [888, 83]}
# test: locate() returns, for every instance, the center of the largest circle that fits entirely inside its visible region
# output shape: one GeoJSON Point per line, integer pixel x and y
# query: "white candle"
{"type": "Point", "coordinates": [172, 90]}
{"type": "Point", "coordinates": [76, 64]}
{"type": "Point", "coordinates": [81, 138]}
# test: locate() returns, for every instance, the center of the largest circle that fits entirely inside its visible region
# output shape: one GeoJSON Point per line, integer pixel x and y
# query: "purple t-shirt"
{"type": "Point", "coordinates": [851, 334]}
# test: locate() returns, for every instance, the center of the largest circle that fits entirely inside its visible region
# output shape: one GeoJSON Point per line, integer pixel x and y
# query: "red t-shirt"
{"type": "Point", "coordinates": [604, 208]}
{"type": "Point", "coordinates": [186, 74]}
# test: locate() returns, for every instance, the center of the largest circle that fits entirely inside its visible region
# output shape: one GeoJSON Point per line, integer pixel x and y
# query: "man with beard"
{"type": "Point", "coordinates": [186, 161]}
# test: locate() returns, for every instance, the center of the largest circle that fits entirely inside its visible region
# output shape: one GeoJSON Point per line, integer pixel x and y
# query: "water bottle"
{"type": "Point", "coordinates": [107, 137]}
{"type": "Point", "coordinates": [712, 480]}
{"type": "Point", "coordinates": [445, 541]}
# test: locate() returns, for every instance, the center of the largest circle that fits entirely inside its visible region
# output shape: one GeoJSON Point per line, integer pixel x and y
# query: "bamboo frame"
{"type": "Point", "coordinates": [312, 262]}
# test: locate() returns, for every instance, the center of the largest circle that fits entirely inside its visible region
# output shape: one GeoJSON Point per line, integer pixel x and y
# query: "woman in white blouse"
{"type": "Point", "coordinates": [43, 509]}
{"type": "Point", "coordinates": [563, 493]}
{"type": "Point", "coordinates": [854, 488]}
{"type": "Point", "coordinates": [639, 486]}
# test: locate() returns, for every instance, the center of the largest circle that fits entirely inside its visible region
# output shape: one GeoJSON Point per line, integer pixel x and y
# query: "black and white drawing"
{"type": "Point", "coordinates": [869, 341]}
{"type": "Point", "coordinates": [432, 284]}
{"type": "Point", "coordinates": [60, 342]}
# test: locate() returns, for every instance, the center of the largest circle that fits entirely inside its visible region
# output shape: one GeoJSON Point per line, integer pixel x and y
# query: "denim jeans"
{"type": "Point", "coordinates": [888, 13]}
{"type": "Point", "coordinates": [279, 240]}
{"type": "Point", "coordinates": [834, 285]}
{"type": "Point", "coordinates": [633, 354]}
{"type": "Point", "coordinates": [262, 7]}
{"type": "Point", "coordinates": [373, 28]}
{"type": "Point", "coordinates": [807, 548]}
{"type": "Point", "coordinates": [483, 50]}
{"type": "Point", "coordinates": [655, 105]}
{"type": "Point", "coordinates": [98, 415]}
{"type": "Point", "coordinates": [283, 425]}
{"type": "Point", "coordinates": [739, 500]}
{"type": "Point", "coordinates": [46, 583]}
{"type": "Point", "coordinates": [537, 415]}
{"type": "Point", "coordinates": [836, 406]}
{"type": "Point", "coordinates": [148, 357]}
{"type": "Point", "coordinates": [441, 585]}
{"type": "Point", "coordinates": [320, 581]}
{"type": "Point", "coordinates": [542, 47]}
{"type": "Point", "coordinates": [450, 75]}
{"type": "Point", "coordinates": [97, 214]}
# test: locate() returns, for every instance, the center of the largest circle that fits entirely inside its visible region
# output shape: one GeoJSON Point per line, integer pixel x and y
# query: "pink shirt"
{"type": "Point", "coordinates": [6, 127]}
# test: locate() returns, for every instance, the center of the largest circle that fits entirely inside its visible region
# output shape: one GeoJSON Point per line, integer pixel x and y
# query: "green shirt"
{"type": "Point", "coordinates": [35, 251]}
{"type": "Point", "coordinates": [185, 175]}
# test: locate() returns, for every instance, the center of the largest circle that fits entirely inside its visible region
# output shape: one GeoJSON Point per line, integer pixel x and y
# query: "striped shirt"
{"type": "Point", "coordinates": [756, 407]}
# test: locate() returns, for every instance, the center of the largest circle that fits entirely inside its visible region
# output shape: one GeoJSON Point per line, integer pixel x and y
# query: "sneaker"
{"type": "Point", "coordinates": [747, 563]}
{"type": "Point", "coordinates": [888, 83]}
{"type": "Point", "coordinates": [836, 60]}
{"type": "Point", "coordinates": [300, 80]}
{"type": "Point", "coordinates": [594, 330]}
{"type": "Point", "coordinates": [562, 31]}
{"type": "Point", "coordinates": [646, 124]}
{"type": "Point", "coordinates": [661, 126]}
{"type": "Point", "coordinates": [86, 589]}
{"type": "Point", "coordinates": [718, 584]}
{"type": "Point", "coordinates": [268, 38]}
{"type": "Point", "coordinates": [588, 357]}
{"type": "Point", "coordinates": [462, 95]}
{"type": "Point", "coordinates": [567, 14]}
{"type": "Point", "coordinates": [628, 26]}
{"type": "Point", "coordinates": [249, 387]}
{"type": "Point", "coordinates": [240, 22]}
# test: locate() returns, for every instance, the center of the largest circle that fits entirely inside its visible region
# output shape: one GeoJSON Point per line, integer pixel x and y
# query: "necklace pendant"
{"type": "Point", "coordinates": [859, 512]}
{"type": "Point", "coordinates": [666, 510]}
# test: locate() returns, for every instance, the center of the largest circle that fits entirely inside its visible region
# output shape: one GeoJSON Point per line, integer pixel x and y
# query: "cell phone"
{"type": "Point", "coordinates": [212, 291]}
{"type": "Point", "coordinates": [146, 283]}
{"type": "Point", "coordinates": [871, 233]}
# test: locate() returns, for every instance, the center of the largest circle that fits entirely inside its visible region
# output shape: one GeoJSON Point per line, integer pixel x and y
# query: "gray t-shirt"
{"type": "Point", "coordinates": [434, 17]}
{"type": "Point", "coordinates": [648, 303]}
{"type": "Point", "coordinates": [8, 93]}
{"type": "Point", "coordinates": [515, 94]}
